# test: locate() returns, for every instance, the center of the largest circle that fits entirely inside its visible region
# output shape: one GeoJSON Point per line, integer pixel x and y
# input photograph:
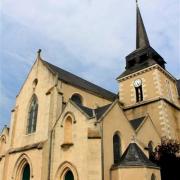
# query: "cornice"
{"type": "Point", "coordinates": [156, 66]}
{"type": "Point", "coordinates": [27, 148]}
{"type": "Point", "coordinates": [143, 103]}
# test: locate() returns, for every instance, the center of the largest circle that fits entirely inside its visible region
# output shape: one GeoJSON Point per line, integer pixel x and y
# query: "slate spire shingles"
{"type": "Point", "coordinates": [144, 55]}
{"type": "Point", "coordinates": [134, 156]}
{"type": "Point", "coordinates": [141, 34]}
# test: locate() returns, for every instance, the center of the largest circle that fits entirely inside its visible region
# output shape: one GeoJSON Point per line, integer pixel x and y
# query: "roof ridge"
{"type": "Point", "coordinates": [77, 81]}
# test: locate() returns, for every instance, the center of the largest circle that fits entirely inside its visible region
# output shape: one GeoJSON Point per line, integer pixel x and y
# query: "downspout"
{"type": "Point", "coordinates": [50, 146]}
{"type": "Point", "coordinates": [49, 158]}
{"type": "Point", "coordinates": [102, 151]}
{"type": "Point", "coordinates": [102, 145]}
{"type": "Point", "coordinates": [51, 135]}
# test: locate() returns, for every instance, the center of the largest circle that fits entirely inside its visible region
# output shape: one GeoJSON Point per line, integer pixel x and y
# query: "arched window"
{"type": "Point", "coordinates": [138, 90]}
{"type": "Point", "coordinates": [26, 172]}
{"type": "Point", "coordinates": [116, 148]}
{"type": "Point", "coordinates": [77, 98]}
{"type": "Point", "coordinates": [32, 115]}
{"type": "Point", "coordinates": [69, 176]}
{"type": "Point", "coordinates": [68, 130]}
{"type": "Point", "coordinates": [2, 144]}
{"type": "Point", "coordinates": [153, 177]}
{"type": "Point", "coordinates": [139, 94]}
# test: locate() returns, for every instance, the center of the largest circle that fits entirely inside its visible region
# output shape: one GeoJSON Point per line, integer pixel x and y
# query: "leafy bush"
{"type": "Point", "coordinates": [167, 157]}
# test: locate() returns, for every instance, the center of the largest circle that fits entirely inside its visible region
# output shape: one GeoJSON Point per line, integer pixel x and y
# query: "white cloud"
{"type": "Point", "coordinates": [94, 34]}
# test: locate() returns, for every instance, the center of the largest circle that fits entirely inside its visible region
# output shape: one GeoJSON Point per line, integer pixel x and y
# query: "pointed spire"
{"type": "Point", "coordinates": [134, 156]}
{"type": "Point", "coordinates": [141, 35]}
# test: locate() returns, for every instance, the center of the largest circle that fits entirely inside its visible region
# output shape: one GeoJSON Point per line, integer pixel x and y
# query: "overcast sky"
{"type": "Point", "coordinates": [90, 38]}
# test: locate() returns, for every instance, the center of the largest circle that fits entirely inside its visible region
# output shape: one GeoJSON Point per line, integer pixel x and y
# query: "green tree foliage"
{"type": "Point", "coordinates": [167, 157]}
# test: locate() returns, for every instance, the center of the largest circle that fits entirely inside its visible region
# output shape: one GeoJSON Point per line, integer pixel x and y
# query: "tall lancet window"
{"type": "Point", "coordinates": [32, 115]}
{"type": "Point", "coordinates": [138, 90]}
{"type": "Point", "coordinates": [116, 148]}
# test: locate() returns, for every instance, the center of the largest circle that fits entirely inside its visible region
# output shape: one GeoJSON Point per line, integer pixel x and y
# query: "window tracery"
{"type": "Point", "coordinates": [32, 115]}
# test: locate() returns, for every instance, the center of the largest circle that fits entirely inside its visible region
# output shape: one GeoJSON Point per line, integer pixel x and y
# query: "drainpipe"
{"type": "Point", "coordinates": [49, 157]}
{"type": "Point", "coordinates": [102, 145]}
{"type": "Point", "coordinates": [102, 151]}
{"type": "Point", "coordinates": [51, 135]}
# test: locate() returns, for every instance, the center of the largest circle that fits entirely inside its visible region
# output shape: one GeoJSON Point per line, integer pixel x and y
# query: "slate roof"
{"type": "Point", "coordinates": [141, 34]}
{"type": "Point", "coordinates": [101, 110]}
{"type": "Point", "coordinates": [134, 156]}
{"type": "Point", "coordinates": [98, 112]}
{"type": "Point", "coordinates": [178, 86]}
{"type": "Point", "coordinates": [135, 123]}
{"type": "Point", "coordinates": [137, 67]}
{"type": "Point", "coordinates": [149, 61]}
{"type": "Point", "coordinates": [85, 109]}
{"type": "Point", "coordinates": [144, 56]}
{"type": "Point", "coordinates": [76, 81]}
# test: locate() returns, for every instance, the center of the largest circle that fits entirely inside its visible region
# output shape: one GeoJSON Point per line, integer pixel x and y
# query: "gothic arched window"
{"type": "Point", "coordinates": [69, 176]}
{"type": "Point", "coordinates": [153, 177]}
{"type": "Point", "coordinates": [2, 144]}
{"type": "Point", "coordinates": [68, 130]}
{"type": "Point", "coordinates": [77, 98]}
{"type": "Point", "coordinates": [32, 115]}
{"type": "Point", "coordinates": [116, 148]}
{"type": "Point", "coordinates": [26, 172]}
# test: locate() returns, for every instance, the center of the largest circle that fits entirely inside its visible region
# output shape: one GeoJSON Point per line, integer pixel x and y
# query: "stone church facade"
{"type": "Point", "coordinates": [66, 128]}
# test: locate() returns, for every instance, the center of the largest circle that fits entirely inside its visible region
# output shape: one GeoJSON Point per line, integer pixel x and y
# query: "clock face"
{"type": "Point", "coordinates": [137, 82]}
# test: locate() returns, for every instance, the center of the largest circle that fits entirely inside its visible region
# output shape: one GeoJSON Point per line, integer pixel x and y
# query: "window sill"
{"type": "Point", "coordinates": [66, 145]}
{"type": "Point", "coordinates": [30, 134]}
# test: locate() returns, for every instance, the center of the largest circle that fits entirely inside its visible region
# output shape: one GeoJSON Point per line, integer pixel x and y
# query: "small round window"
{"type": "Point", "coordinates": [77, 98]}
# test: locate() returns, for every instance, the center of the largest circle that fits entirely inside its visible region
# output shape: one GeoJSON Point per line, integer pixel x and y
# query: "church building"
{"type": "Point", "coordinates": [66, 128]}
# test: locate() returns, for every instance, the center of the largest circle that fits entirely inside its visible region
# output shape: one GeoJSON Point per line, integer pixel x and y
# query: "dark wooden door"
{"type": "Point", "coordinates": [69, 176]}
{"type": "Point", "coordinates": [26, 172]}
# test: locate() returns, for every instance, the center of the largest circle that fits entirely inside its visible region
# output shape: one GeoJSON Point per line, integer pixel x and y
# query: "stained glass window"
{"type": "Point", "coordinates": [32, 116]}
{"type": "Point", "coordinates": [116, 148]}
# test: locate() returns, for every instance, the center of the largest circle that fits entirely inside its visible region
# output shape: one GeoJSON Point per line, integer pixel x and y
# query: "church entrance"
{"type": "Point", "coordinates": [26, 172]}
{"type": "Point", "coordinates": [68, 176]}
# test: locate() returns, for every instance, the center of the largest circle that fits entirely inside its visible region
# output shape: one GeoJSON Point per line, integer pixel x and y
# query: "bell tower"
{"type": "Point", "coordinates": [146, 81]}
